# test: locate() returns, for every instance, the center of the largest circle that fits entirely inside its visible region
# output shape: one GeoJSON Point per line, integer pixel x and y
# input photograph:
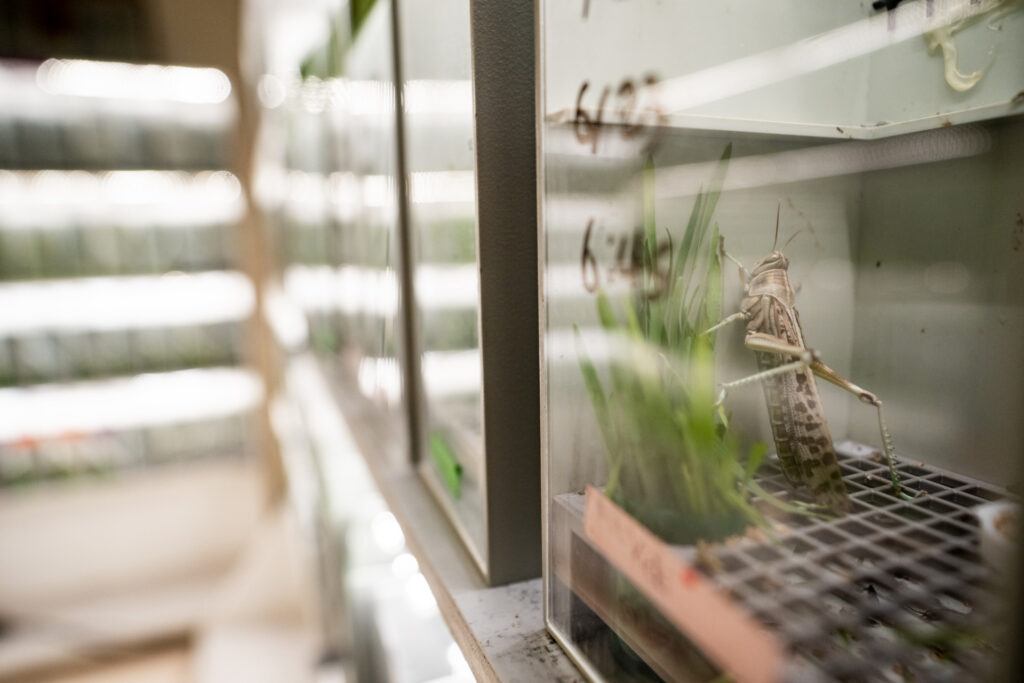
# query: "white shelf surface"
{"type": "Point", "coordinates": [500, 630]}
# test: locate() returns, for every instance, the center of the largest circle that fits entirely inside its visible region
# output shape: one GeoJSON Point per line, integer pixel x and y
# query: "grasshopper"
{"type": "Point", "coordinates": [787, 369]}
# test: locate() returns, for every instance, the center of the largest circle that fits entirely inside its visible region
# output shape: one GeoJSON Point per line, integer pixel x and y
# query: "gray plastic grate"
{"type": "Point", "coordinates": [894, 590]}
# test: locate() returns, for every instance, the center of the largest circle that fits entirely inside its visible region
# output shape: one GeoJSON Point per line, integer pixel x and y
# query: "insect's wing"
{"type": "Point", "coordinates": [798, 422]}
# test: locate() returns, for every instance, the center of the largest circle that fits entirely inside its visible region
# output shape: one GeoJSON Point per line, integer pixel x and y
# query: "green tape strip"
{"type": "Point", "coordinates": [448, 467]}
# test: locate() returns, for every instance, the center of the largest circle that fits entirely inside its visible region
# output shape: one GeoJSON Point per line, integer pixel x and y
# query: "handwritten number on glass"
{"type": "Point", "coordinates": [629, 111]}
{"type": "Point", "coordinates": [628, 256]}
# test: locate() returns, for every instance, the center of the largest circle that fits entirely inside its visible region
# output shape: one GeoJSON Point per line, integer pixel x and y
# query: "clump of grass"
{"type": "Point", "coordinates": [672, 461]}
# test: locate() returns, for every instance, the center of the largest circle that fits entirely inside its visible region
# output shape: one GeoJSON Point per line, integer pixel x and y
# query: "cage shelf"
{"type": "Point", "coordinates": [894, 590]}
{"type": "Point", "coordinates": [844, 71]}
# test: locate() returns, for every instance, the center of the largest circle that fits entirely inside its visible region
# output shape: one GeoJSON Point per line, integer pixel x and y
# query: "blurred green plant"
{"type": "Point", "coordinates": [360, 10]}
{"type": "Point", "coordinates": [673, 462]}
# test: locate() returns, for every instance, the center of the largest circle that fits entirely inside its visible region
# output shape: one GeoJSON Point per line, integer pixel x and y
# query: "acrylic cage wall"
{"type": "Point", "coordinates": [440, 161]}
{"type": "Point", "coordinates": [385, 227]}
{"type": "Point", "coordinates": [331, 186]}
{"type": "Point", "coordinates": [469, 157]}
{"type": "Point", "coordinates": [901, 197]}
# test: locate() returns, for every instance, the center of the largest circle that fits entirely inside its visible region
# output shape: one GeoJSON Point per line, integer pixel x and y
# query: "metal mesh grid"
{"type": "Point", "coordinates": [895, 590]}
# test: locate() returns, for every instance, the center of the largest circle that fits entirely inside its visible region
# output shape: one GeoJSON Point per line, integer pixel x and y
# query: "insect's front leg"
{"type": "Point", "coordinates": [741, 315]}
{"type": "Point", "coordinates": [744, 279]}
{"type": "Point", "coordinates": [744, 273]}
{"type": "Point", "coordinates": [759, 341]}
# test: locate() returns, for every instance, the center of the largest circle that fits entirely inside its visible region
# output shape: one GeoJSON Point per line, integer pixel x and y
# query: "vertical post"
{"type": "Point", "coordinates": [407, 355]}
{"type": "Point", "coordinates": [255, 259]}
{"type": "Point", "coordinates": [504, 84]}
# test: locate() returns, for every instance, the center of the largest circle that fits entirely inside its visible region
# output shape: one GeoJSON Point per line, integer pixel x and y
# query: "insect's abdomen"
{"type": "Point", "coordinates": [801, 433]}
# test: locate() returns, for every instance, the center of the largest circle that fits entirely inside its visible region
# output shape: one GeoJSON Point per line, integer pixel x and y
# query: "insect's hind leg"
{"type": "Point", "coordinates": [826, 373]}
{"type": "Point", "coordinates": [758, 341]}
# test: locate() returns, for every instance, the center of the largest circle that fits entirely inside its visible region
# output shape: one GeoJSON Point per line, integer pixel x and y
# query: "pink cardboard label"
{"type": "Point", "coordinates": [710, 618]}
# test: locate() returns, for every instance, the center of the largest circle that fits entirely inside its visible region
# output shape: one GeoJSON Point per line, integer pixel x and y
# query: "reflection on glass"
{"type": "Point", "coordinates": [442, 217]}
{"type": "Point", "coordinates": [336, 203]}
{"type": "Point", "coordinates": [868, 185]}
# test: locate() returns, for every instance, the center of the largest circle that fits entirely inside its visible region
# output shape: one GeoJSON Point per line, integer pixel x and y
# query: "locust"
{"type": "Point", "coordinates": [787, 368]}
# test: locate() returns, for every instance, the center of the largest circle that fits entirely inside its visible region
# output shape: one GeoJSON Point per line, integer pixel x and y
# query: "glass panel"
{"type": "Point", "coordinates": [366, 213]}
{"type": "Point", "coordinates": [439, 155]}
{"type": "Point", "coordinates": [864, 168]}
{"type": "Point", "coordinates": [339, 223]}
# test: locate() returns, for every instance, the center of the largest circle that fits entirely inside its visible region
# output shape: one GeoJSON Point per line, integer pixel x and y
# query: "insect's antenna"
{"type": "Point", "coordinates": [791, 238]}
{"type": "Point", "coordinates": [778, 213]}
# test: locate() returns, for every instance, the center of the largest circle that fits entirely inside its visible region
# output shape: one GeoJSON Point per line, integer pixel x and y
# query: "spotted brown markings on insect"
{"type": "Point", "coordinates": [786, 371]}
{"type": "Point", "coordinates": [1018, 232]}
{"type": "Point", "coordinates": [802, 437]}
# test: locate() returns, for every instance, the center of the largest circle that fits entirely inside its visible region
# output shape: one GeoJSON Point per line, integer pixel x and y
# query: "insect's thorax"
{"type": "Point", "coordinates": [768, 282]}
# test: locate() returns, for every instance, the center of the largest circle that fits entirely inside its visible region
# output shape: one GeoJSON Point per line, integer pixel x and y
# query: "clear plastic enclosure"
{"type": "Point", "coordinates": [338, 218]}
{"type": "Point", "coordinates": [761, 224]}
{"type": "Point", "coordinates": [440, 165]}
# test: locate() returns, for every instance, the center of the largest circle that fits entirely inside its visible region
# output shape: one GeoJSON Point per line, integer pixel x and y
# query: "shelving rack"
{"type": "Point", "coordinates": [117, 224]}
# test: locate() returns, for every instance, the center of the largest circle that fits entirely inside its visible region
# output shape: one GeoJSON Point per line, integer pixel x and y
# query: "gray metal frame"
{"type": "Point", "coordinates": [502, 44]}
{"type": "Point", "coordinates": [407, 357]}
{"type": "Point", "coordinates": [504, 82]}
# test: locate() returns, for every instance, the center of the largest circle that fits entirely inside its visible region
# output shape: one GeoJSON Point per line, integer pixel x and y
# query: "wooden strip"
{"type": "Point", "coordinates": [727, 634]}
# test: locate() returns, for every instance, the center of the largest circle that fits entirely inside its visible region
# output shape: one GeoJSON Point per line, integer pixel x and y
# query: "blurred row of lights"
{"type": "Point", "coordinates": [354, 290]}
{"type": "Point", "coordinates": [450, 98]}
{"type": "Point", "coordinates": [445, 374]}
{"type": "Point", "coordinates": [121, 303]}
{"type": "Point", "coordinates": [116, 80]}
{"type": "Point", "coordinates": [306, 192]}
{"type": "Point", "coordinates": [127, 403]}
{"type": "Point", "coordinates": [35, 188]}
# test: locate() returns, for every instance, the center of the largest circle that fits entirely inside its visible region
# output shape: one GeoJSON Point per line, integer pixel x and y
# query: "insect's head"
{"type": "Point", "coordinates": [775, 260]}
